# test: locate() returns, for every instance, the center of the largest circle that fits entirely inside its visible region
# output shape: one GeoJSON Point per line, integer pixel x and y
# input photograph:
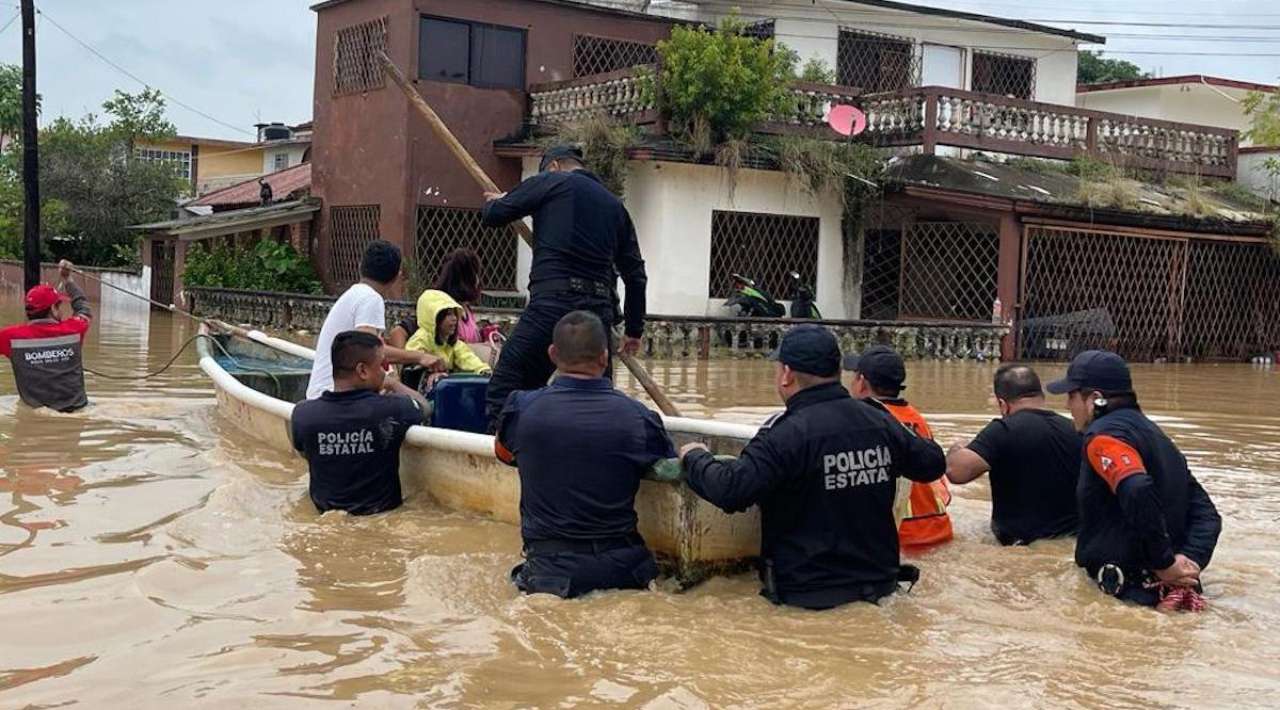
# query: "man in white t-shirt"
{"type": "Point", "coordinates": [362, 307]}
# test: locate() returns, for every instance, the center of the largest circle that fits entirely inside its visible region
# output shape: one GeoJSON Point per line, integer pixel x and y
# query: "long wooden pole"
{"type": "Point", "coordinates": [480, 176]}
{"type": "Point", "coordinates": [30, 152]}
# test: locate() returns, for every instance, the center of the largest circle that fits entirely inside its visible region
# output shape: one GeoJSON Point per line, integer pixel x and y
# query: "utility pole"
{"type": "Point", "coordinates": [30, 151]}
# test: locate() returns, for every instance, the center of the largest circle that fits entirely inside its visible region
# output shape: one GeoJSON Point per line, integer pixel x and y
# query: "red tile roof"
{"type": "Point", "coordinates": [284, 184]}
{"type": "Point", "coordinates": [1168, 80]}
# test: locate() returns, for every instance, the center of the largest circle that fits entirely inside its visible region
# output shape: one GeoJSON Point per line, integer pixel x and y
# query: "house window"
{"type": "Point", "coordinates": [351, 228]}
{"type": "Point", "coordinates": [179, 159]}
{"type": "Point", "coordinates": [765, 248]}
{"type": "Point", "coordinates": [356, 67]}
{"type": "Point", "coordinates": [761, 30]}
{"type": "Point", "coordinates": [1004, 74]}
{"type": "Point", "coordinates": [875, 62]}
{"type": "Point", "coordinates": [598, 55]}
{"type": "Point", "coordinates": [444, 229]}
{"type": "Point", "coordinates": [487, 56]}
{"type": "Point", "coordinates": [280, 162]}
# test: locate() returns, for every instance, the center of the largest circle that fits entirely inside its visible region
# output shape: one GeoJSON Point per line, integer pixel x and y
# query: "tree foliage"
{"type": "Point", "coordinates": [1092, 68]}
{"type": "Point", "coordinates": [269, 266]}
{"type": "Point", "coordinates": [1263, 110]}
{"type": "Point", "coordinates": [11, 100]}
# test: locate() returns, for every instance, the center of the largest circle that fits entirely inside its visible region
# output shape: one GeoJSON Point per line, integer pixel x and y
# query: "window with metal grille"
{"type": "Point", "coordinates": [762, 29]}
{"type": "Point", "coordinates": [179, 159]}
{"type": "Point", "coordinates": [598, 55]}
{"type": "Point", "coordinates": [350, 231]}
{"type": "Point", "coordinates": [1004, 74]}
{"type": "Point", "coordinates": [279, 161]}
{"type": "Point", "coordinates": [356, 67]}
{"type": "Point", "coordinates": [881, 273]}
{"type": "Point", "coordinates": [1230, 307]}
{"type": "Point", "coordinates": [444, 229]}
{"type": "Point", "coordinates": [875, 62]}
{"type": "Point", "coordinates": [949, 271]}
{"type": "Point", "coordinates": [482, 55]}
{"type": "Point", "coordinates": [765, 248]}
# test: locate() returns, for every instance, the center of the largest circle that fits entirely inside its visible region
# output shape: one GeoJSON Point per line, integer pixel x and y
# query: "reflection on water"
{"type": "Point", "coordinates": [149, 557]}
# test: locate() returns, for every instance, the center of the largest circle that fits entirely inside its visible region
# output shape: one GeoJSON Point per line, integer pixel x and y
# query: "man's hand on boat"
{"type": "Point", "coordinates": [432, 363]}
{"type": "Point", "coordinates": [695, 446]}
{"type": "Point", "coordinates": [630, 346]}
{"type": "Point", "coordinates": [1184, 572]}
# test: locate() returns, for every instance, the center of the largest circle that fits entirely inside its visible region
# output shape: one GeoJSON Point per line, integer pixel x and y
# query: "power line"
{"type": "Point", "coordinates": [135, 77]}
{"type": "Point", "coordinates": [13, 19]}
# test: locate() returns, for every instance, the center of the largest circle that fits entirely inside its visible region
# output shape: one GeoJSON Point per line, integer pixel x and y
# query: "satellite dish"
{"type": "Point", "coordinates": [846, 120]}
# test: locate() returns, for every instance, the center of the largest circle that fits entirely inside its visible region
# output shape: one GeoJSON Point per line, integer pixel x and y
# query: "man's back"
{"type": "Point", "coordinates": [359, 307]}
{"type": "Point", "coordinates": [352, 442]}
{"type": "Point", "coordinates": [926, 522]}
{"type": "Point", "coordinates": [1034, 456]}
{"type": "Point", "coordinates": [581, 448]}
{"type": "Point", "coordinates": [47, 362]}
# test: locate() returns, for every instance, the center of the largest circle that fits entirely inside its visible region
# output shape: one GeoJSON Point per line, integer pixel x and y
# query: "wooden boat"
{"type": "Point", "coordinates": [258, 379]}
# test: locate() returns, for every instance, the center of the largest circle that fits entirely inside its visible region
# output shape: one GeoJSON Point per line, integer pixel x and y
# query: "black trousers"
{"type": "Point", "coordinates": [572, 574]}
{"type": "Point", "coordinates": [524, 363]}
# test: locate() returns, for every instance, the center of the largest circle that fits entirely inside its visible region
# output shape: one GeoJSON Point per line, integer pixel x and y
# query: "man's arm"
{"type": "Point", "coordinates": [393, 386]}
{"type": "Point", "coordinates": [735, 485]}
{"type": "Point", "coordinates": [296, 437]}
{"type": "Point", "coordinates": [1120, 465]}
{"type": "Point", "coordinates": [967, 463]}
{"type": "Point", "coordinates": [398, 356]}
{"type": "Point", "coordinates": [504, 441]}
{"type": "Point", "coordinates": [916, 458]}
{"type": "Point", "coordinates": [630, 266]}
{"type": "Point", "coordinates": [1203, 525]}
{"type": "Point", "coordinates": [519, 203]}
{"type": "Point", "coordinates": [79, 302]}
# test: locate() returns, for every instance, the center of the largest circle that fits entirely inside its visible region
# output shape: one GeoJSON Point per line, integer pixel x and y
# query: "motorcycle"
{"type": "Point", "coordinates": [802, 303]}
{"type": "Point", "coordinates": [751, 301]}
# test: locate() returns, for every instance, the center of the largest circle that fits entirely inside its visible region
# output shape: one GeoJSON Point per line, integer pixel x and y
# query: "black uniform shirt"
{"type": "Point", "coordinates": [824, 473]}
{"type": "Point", "coordinates": [1034, 456]}
{"type": "Point", "coordinates": [352, 442]}
{"type": "Point", "coordinates": [581, 447]}
{"type": "Point", "coordinates": [581, 230]}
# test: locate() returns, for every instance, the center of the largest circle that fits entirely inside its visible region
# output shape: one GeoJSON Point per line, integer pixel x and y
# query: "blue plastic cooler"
{"type": "Point", "coordinates": [459, 403]}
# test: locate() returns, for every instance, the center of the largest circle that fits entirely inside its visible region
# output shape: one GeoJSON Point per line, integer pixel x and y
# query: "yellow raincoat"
{"type": "Point", "coordinates": [458, 357]}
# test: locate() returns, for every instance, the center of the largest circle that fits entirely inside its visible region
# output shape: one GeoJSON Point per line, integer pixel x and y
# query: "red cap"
{"type": "Point", "coordinates": [44, 297]}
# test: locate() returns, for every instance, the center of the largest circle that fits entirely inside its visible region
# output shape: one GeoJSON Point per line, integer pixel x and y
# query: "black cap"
{"type": "Point", "coordinates": [881, 365]}
{"type": "Point", "coordinates": [557, 152]}
{"type": "Point", "coordinates": [811, 349]}
{"type": "Point", "coordinates": [1095, 370]}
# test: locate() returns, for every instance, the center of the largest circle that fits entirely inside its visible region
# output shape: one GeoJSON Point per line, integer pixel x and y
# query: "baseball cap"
{"type": "Point", "coordinates": [43, 297]}
{"type": "Point", "coordinates": [557, 152]}
{"type": "Point", "coordinates": [881, 365]}
{"type": "Point", "coordinates": [811, 349]}
{"type": "Point", "coordinates": [1096, 370]}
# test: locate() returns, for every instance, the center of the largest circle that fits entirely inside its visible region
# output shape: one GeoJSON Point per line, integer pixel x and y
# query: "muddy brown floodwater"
{"type": "Point", "coordinates": [150, 557]}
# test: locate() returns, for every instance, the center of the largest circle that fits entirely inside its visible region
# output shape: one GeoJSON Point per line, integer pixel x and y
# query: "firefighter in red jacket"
{"type": "Point", "coordinates": [46, 351]}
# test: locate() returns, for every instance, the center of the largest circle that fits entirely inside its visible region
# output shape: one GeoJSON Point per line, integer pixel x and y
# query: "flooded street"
{"type": "Point", "coordinates": [151, 557]}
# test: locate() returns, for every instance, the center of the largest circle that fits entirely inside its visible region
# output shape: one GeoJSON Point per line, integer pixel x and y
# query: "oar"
{"type": "Point", "coordinates": [478, 174]}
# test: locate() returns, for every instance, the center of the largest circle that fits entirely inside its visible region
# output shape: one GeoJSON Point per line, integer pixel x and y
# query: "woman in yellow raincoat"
{"type": "Point", "coordinates": [438, 334]}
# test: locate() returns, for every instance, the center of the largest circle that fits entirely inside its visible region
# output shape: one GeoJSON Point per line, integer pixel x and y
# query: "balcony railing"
{"type": "Point", "coordinates": [930, 117]}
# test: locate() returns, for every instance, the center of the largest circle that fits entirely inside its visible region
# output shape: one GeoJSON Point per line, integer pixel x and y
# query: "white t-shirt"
{"type": "Point", "coordinates": [359, 307]}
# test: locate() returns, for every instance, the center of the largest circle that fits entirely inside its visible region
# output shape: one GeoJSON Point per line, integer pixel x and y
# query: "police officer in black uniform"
{"type": "Point", "coordinates": [583, 239]}
{"type": "Point", "coordinates": [824, 473]}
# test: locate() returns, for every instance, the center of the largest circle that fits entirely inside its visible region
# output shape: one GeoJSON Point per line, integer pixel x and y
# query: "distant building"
{"type": "Point", "coordinates": [212, 164]}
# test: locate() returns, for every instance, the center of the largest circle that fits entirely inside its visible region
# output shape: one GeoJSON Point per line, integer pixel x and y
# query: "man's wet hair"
{"type": "Point", "coordinates": [580, 338]}
{"type": "Point", "coordinates": [1014, 382]}
{"type": "Point", "coordinates": [352, 347]}
{"type": "Point", "coordinates": [381, 261]}
{"type": "Point", "coordinates": [40, 314]}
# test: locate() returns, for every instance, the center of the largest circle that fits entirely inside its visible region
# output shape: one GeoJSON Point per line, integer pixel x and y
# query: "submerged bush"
{"type": "Point", "coordinates": [269, 266]}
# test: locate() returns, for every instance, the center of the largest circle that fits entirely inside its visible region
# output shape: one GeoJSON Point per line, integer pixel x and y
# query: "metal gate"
{"type": "Point", "coordinates": [162, 257]}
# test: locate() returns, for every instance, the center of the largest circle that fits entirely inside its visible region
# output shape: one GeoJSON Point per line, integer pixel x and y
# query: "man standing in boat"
{"type": "Point", "coordinates": [351, 434]}
{"type": "Point", "coordinates": [46, 350]}
{"type": "Point", "coordinates": [824, 474]}
{"type": "Point", "coordinates": [363, 307]}
{"type": "Point", "coordinates": [583, 239]}
{"type": "Point", "coordinates": [581, 447]}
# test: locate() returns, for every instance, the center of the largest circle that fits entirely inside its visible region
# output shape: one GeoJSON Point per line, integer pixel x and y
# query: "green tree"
{"type": "Point", "coordinates": [1263, 110]}
{"type": "Point", "coordinates": [11, 100]}
{"type": "Point", "coordinates": [1092, 68]}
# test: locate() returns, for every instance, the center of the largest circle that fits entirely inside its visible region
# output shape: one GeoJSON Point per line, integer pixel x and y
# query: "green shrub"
{"type": "Point", "coordinates": [269, 266]}
{"type": "Point", "coordinates": [818, 72]}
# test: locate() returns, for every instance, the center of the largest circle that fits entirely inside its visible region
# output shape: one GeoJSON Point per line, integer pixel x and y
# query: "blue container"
{"type": "Point", "coordinates": [459, 403]}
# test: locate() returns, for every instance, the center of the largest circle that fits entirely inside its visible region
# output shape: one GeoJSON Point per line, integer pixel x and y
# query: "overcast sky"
{"type": "Point", "coordinates": [242, 61]}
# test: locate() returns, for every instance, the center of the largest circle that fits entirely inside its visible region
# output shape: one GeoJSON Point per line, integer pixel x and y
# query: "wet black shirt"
{"type": "Point", "coordinates": [824, 473]}
{"type": "Point", "coordinates": [581, 447]}
{"type": "Point", "coordinates": [1034, 456]}
{"type": "Point", "coordinates": [581, 230]}
{"type": "Point", "coordinates": [352, 442]}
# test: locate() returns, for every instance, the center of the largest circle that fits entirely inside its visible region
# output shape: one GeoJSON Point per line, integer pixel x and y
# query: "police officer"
{"type": "Point", "coordinates": [583, 239]}
{"type": "Point", "coordinates": [581, 447]}
{"type": "Point", "coordinates": [1147, 527]}
{"type": "Point", "coordinates": [824, 473]}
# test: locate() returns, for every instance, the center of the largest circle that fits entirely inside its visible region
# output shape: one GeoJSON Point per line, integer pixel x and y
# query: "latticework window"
{"type": "Point", "coordinates": [598, 55]}
{"type": "Point", "coordinates": [876, 62]}
{"type": "Point", "coordinates": [350, 231]}
{"type": "Point", "coordinates": [949, 271]}
{"type": "Point", "coordinates": [1004, 74]}
{"type": "Point", "coordinates": [1231, 310]}
{"type": "Point", "coordinates": [162, 257]}
{"type": "Point", "coordinates": [356, 67]}
{"type": "Point", "coordinates": [444, 229]}
{"type": "Point", "coordinates": [765, 248]}
{"type": "Point", "coordinates": [762, 29]}
{"type": "Point", "coordinates": [881, 273]}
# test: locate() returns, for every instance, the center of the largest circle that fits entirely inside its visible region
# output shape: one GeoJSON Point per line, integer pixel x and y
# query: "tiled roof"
{"type": "Point", "coordinates": [284, 184]}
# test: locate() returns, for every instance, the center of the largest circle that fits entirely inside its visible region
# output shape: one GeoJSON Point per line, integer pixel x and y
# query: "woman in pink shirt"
{"type": "Point", "coordinates": [460, 278]}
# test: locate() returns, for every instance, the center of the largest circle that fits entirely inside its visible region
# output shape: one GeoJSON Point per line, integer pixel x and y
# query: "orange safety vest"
{"type": "Point", "coordinates": [928, 522]}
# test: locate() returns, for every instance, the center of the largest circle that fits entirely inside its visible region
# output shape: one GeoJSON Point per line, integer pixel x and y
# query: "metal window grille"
{"type": "Point", "coordinates": [1230, 306]}
{"type": "Point", "coordinates": [598, 55]}
{"type": "Point", "coordinates": [881, 273]}
{"type": "Point", "coordinates": [761, 30]}
{"type": "Point", "coordinates": [876, 62]}
{"type": "Point", "coordinates": [162, 258]}
{"type": "Point", "coordinates": [444, 229]}
{"type": "Point", "coordinates": [356, 67]}
{"type": "Point", "coordinates": [1004, 74]}
{"type": "Point", "coordinates": [949, 271]}
{"type": "Point", "coordinates": [765, 248]}
{"type": "Point", "coordinates": [350, 229]}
